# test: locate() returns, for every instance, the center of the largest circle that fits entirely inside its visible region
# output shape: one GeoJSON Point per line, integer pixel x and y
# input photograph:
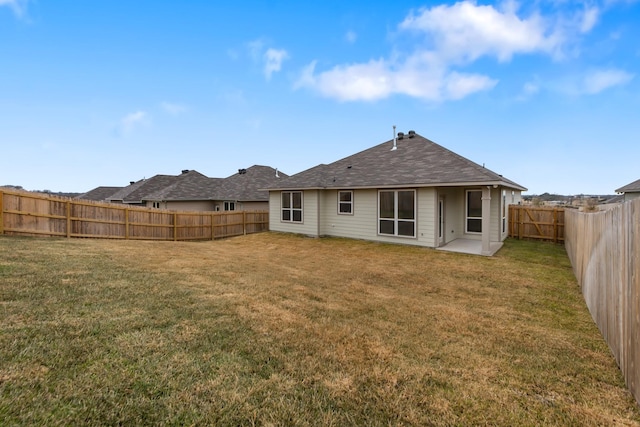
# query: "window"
{"type": "Point", "coordinates": [504, 210]}
{"type": "Point", "coordinates": [156, 205]}
{"type": "Point", "coordinates": [229, 206]}
{"type": "Point", "coordinates": [474, 211]}
{"type": "Point", "coordinates": [397, 213]}
{"type": "Point", "coordinates": [291, 206]}
{"type": "Point", "coordinates": [345, 202]}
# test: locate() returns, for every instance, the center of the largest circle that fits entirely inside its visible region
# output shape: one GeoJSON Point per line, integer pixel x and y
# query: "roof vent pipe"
{"type": "Point", "coordinates": [412, 133]}
{"type": "Point", "coordinates": [277, 176]}
{"type": "Point", "coordinates": [400, 135]}
{"type": "Point", "coordinates": [395, 142]}
{"type": "Point", "coordinates": [185, 170]}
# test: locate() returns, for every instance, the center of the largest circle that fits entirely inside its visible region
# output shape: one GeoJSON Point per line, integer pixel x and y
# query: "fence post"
{"type": "Point", "coordinates": [244, 223]}
{"type": "Point", "coordinates": [68, 219]}
{"type": "Point", "coordinates": [126, 223]}
{"type": "Point", "coordinates": [555, 225]}
{"type": "Point", "coordinates": [520, 223]}
{"type": "Point", "coordinates": [175, 227]}
{"type": "Point", "coordinates": [1, 212]}
{"type": "Point", "coordinates": [212, 221]}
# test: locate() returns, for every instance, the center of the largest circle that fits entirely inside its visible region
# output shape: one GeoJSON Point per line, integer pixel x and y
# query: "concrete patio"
{"type": "Point", "coordinates": [468, 246]}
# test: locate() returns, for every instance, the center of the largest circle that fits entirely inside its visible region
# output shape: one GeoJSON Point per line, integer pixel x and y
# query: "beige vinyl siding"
{"type": "Point", "coordinates": [360, 225]}
{"type": "Point", "coordinates": [427, 231]}
{"type": "Point", "coordinates": [201, 205]}
{"type": "Point", "coordinates": [631, 196]}
{"type": "Point", "coordinates": [363, 223]}
{"type": "Point", "coordinates": [454, 205]}
{"type": "Point", "coordinates": [309, 224]}
{"type": "Point", "coordinates": [496, 215]}
{"type": "Point", "coordinates": [252, 206]}
{"type": "Point", "coordinates": [204, 205]}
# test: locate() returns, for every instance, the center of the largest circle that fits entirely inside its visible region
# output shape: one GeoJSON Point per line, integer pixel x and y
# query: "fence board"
{"type": "Point", "coordinates": [24, 213]}
{"type": "Point", "coordinates": [604, 249]}
{"type": "Point", "coordinates": [542, 223]}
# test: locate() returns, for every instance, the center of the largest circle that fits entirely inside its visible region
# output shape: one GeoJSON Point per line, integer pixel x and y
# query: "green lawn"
{"type": "Point", "coordinates": [272, 329]}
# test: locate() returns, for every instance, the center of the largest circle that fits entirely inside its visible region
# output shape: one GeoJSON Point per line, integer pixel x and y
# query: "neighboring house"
{"type": "Point", "coordinates": [245, 189]}
{"type": "Point", "coordinates": [630, 191]}
{"type": "Point", "coordinates": [407, 190]}
{"type": "Point", "coordinates": [193, 191]}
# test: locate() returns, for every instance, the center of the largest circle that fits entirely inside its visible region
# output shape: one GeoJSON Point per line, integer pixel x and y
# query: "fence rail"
{"type": "Point", "coordinates": [604, 249]}
{"type": "Point", "coordinates": [542, 223]}
{"type": "Point", "coordinates": [23, 213]}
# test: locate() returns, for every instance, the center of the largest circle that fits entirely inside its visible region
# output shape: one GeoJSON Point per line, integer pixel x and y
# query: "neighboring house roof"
{"type": "Point", "coordinates": [416, 161]}
{"type": "Point", "coordinates": [247, 185]}
{"type": "Point", "coordinates": [99, 194]}
{"type": "Point", "coordinates": [138, 191]}
{"type": "Point", "coordinates": [615, 199]}
{"type": "Point", "coordinates": [191, 185]}
{"type": "Point", "coordinates": [634, 187]}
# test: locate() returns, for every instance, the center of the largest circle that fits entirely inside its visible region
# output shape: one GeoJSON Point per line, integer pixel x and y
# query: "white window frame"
{"type": "Point", "coordinates": [504, 211]}
{"type": "Point", "coordinates": [466, 212]}
{"type": "Point", "coordinates": [155, 205]}
{"type": "Point", "coordinates": [395, 218]}
{"type": "Point", "coordinates": [229, 206]}
{"type": "Point", "coordinates": [345, 203]}
{"type": "Point", "coordinates": [291, 209]}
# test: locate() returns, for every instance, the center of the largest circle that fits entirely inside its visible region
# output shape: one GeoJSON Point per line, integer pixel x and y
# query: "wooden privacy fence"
{"type": "Point", "coordinates": [604, 249]}
{"type": "Point", "coordinates": [23, 213]}
{"type": "Point", "coordinates": [543, 223]}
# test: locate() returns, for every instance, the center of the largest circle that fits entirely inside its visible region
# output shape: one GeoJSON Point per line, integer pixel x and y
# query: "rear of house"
{"type": "Point", "coordinates": [408, 190]}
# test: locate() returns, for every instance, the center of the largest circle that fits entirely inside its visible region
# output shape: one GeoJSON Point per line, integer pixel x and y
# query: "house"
{"type": "Point", "coordinates": [407, 190]}
{"type": "Point", "coordinates": [193, 191]}
{"type": "Point", "coordinates": [630, 191]}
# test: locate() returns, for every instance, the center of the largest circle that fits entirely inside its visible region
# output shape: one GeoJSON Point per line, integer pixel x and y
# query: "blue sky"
{"type": "Point", "coordinates": [546, 93]}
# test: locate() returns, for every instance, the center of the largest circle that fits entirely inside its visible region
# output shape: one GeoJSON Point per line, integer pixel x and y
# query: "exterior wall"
{"type": "Point", "coordinates": [363, 223]}
{"type": "Point", "coordinates": [203, 205]}
{"type": "Point", "coordinates": [252, 206]}
{"type": "Point", "coordinates": [210, 205]}
{"type": "Point", "coordinates": [321, 218]}
{"type": "Point", "coordinates": [496, 215]}
{"type": "Point", "coordinates": [631, 196]}
{"type": "Point", "coordinates": [310, 207]}
{"type": "Point", "coordinates": [454, 214]}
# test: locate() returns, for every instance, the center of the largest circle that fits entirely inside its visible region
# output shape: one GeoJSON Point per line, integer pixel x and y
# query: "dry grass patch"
{"type": "Point", "coordinates": [272, 329]}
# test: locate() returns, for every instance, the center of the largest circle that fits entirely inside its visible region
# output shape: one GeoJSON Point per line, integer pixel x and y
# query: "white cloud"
{"type": "Point", "coordinates": [589, 19]}
{"type": "Point", "coordinates": [451, 37]}
{"type": "Point", "coordinates": [420, 76]}
{"type": "Point", "coordinates": [173, 108]}
{"type": "Point", "coordinates": [256, 48]}
{"type": "Point", "coordinates": [530, 88]}
{"type": "Point", "coordinates": [467, 31]}
{"type": "Point", "coordinates": [600, 80]}
{"type": "Point", "coordinates": [269, 58]}
{"type": "Point", "coordinates": [19, 7]}
{"type": "Point", "coordinates": [134, 120]}
{"type": "Point", "coordinates": [351, 37]}
{"type": "Point", "coordinates": [273, 59]}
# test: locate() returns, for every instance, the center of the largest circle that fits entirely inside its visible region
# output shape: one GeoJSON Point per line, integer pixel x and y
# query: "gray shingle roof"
{"type": "Point", "coordinates": [417, 161]}
{"type": "Point", "coordinates": [140, 190]}
{"type": "Point", "coordinates": [249, 185]}
{"type": "Point", "coordinates": [99, 194]}
{"type": "Point", "coordinates": [193, 186]}
{"type": "Point", "coordinates": [634, 187]}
